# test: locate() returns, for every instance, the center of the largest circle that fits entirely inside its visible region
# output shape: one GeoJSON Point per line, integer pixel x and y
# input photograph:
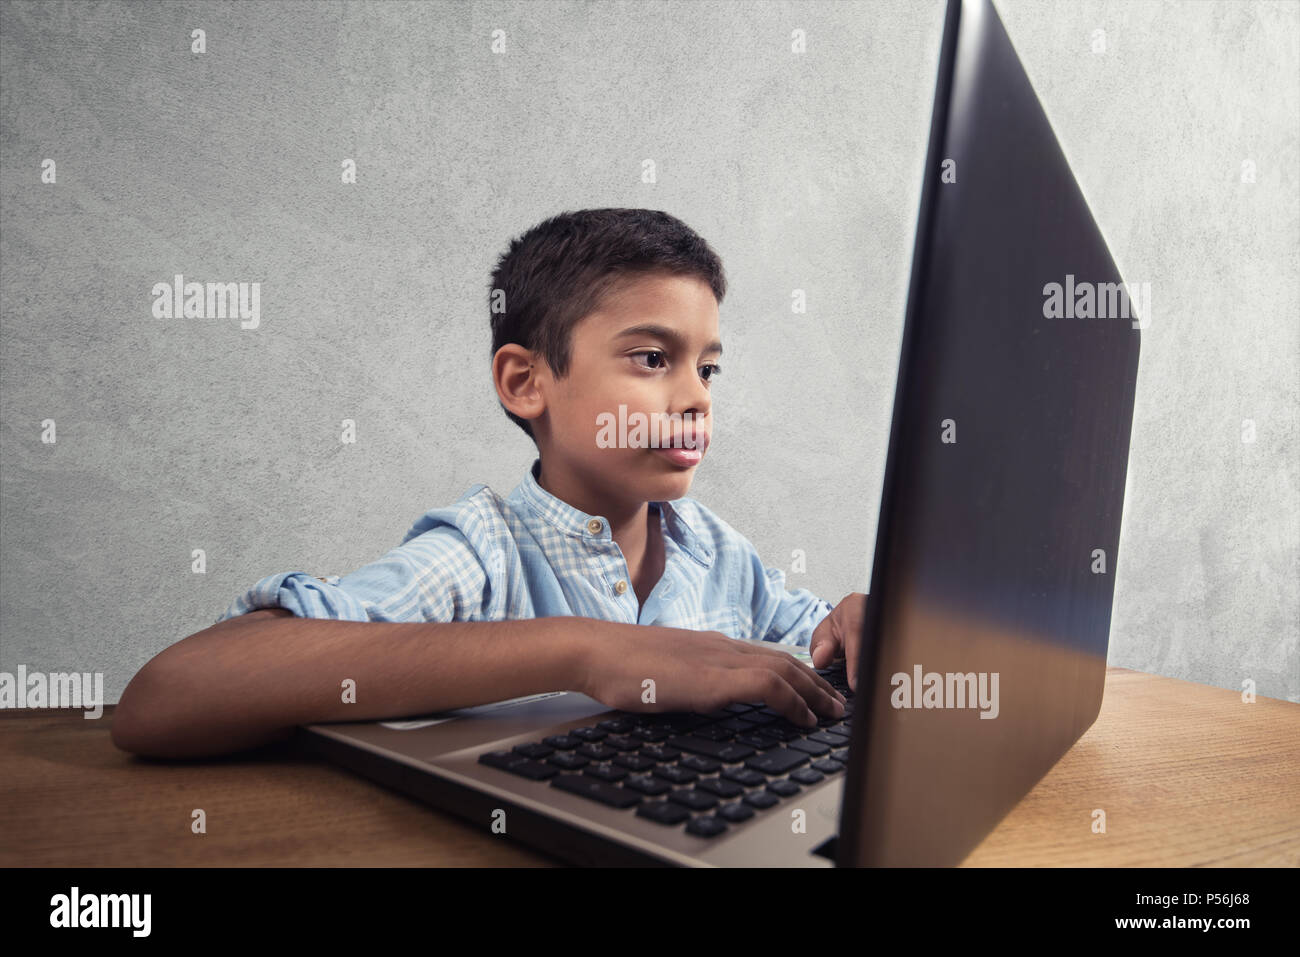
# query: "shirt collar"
{"type": "Point", "coordinates": [577, 523]}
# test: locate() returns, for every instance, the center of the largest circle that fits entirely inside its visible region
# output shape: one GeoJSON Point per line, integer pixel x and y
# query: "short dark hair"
{"type": "Point", "coordinates": [559, 271]}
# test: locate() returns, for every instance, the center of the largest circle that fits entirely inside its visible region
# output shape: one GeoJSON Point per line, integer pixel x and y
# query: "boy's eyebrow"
{"type": "Point", "coordinates": [663, 332]}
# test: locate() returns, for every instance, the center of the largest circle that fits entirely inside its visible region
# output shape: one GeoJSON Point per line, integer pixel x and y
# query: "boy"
{"type": "Point", "coordinates": [595, 574]}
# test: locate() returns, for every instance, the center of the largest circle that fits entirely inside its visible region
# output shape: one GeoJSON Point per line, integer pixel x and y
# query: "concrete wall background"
{"type": "Point", "coordinates": [802, 171]}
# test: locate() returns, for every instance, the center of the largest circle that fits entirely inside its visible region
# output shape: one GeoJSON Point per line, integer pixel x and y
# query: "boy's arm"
{"type": "Point", "coordinates": [249, 680]}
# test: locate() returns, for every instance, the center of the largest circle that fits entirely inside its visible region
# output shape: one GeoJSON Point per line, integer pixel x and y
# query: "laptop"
{"type": "Point", "coordinates": [984, 645]}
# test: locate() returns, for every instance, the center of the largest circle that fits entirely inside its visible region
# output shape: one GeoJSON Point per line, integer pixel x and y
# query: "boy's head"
{"type": "Point", "coordinates": [560, 300]}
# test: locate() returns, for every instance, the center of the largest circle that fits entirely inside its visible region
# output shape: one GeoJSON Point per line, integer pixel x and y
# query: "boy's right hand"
{"type": "Point", "coordinates": [700, 671]}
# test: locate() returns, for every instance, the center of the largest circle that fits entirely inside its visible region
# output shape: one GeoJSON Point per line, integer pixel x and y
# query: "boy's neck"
{"type": "Point", "coordinates": [629, 522]}
{"type": "Point", "coordinates": [573, 490]}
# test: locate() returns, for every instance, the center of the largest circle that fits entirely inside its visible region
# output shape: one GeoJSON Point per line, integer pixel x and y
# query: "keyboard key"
{"type": "Point", "coordinates": [759, 742]}
{"type": "Point", "coordinates": [714, 732]}
{"type": "Point", "coordinates": [738, 707]}
{"type": "Point", "coordinates": [562, 741]}
{"type": "Point", "coordinates": [761, 799]}
{"type": "Point", "coordinates": [781, 724]}
{"type": "Point", "coordinates": [828, 766]}
{"type": "Point", "coordinates": [744, 776]}
{"type": "Point", "coordinates": [660, 752]}
{"type": "Point", "coordinates": [720, 715]}
{"type": "Point", "coordinates": [706, 826]}
{"type": "Point", "coordinates": [588, 734]}
{"type": "Point", "coordinates": [833, 738]}
{"type": "Point", "coordinates": [697, 763]}
{"type": "Point", "coordinates": [807, 776]}
{"type": "Point", "coordinates": [736, 812]}
{"type": "Point", "coordinates": [568, 762]}
{"type": "Point", "coordinates": [634, 761]}
{"type": "Point", "coordinates": [649, 734]}
{"type": "Point", "coordinates": [735, 724]}
{"type": "Point", "coordinates": [594, 749]}
{"type": "Point", "coordinates": [646, 784]}
{"type": "Point", "coordinates": [615, 725]}
{"type": "Point", "coordinates": [757, 719]}
{"type": "Point", "coordinates": [777, 761]}
{"type": "Point", "coordinates": [680, 721]}
{"type": "Point", "coordinates": [623, 742]}
{"type": "Point", "coordinates": [672, 772]}
{"type": "Point", "coordinates": [662, 812]}
{"type": "Point", "coordinates": [693, 799]}
{"type": "Point", "coordinates": [606, 772]}
{"type": "Point", "coordinates": [726, 789]}
{"type": "Point", "coordinates": [589, 787]}
{"type": "Point", "coordinates": [517, 764]}
{"type": "Point", "coordinates": [815, 748]}
{"type": "Point", "coordinates": [784, 787]}
{"type": "Point", "coordinates": [842, 755]}
{"type": "Point", "coordinates": [533, 750]}
{"type": "Point", "coordinates": [726, 753]}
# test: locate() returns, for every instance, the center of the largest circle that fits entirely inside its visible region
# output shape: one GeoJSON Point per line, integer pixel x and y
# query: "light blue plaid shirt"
{"type": "Point", "coordinates": [532, 555]}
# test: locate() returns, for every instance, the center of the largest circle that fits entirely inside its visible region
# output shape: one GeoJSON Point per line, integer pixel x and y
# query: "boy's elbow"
{"type": "Point", "coordinates": [155, 717]}
{"type": "Point", "coordinates": [156, 714]}
{"type": "Point", "coordinates": [151, 721]}
{"type": "Point", "coordinates": [135, 726]}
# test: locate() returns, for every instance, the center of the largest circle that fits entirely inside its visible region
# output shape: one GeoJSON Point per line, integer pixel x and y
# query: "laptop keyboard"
{"type": "Point", "coordinates": [701, 772]}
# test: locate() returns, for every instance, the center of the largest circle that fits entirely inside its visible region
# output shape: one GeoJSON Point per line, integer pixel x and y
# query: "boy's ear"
{"type": "Point", "coordinates": [514, 372]}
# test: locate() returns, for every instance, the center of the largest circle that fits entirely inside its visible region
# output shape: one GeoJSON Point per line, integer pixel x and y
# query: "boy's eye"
{"type": "Point", "coordinates": [653, 352]}
{"type": "Point", "coordinates": [659, 356]}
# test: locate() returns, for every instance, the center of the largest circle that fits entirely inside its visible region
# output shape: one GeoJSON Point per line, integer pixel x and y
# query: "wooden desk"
{"type": "Point", "coordinates": [1187, 774]}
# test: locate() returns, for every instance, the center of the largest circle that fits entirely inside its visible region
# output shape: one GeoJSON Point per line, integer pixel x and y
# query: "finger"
{"type": "Point", "coordinates": [817, 693]}
{"type": "Point", "coordinates": [806, 675]}
{"type": "Point", "coordinates": [851, 653]}
{"type": "Point", "coordinates": [825, 651]}
{"type": "Point", "coordinates": [778, 694]}
{"type": "Point", "coordinates": [853, 643]}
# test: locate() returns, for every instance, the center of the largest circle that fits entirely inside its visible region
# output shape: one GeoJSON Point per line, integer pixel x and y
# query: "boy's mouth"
{"type": "Point", "coordinates": [684, 449]}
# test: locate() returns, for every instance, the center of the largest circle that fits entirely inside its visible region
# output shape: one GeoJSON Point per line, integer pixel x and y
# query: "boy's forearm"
{"type": "Point", "coordinates": [242, 683]}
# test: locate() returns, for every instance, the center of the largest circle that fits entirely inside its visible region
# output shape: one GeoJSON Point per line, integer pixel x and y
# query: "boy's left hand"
{"type": "Point", "coordinates": [839, 635]}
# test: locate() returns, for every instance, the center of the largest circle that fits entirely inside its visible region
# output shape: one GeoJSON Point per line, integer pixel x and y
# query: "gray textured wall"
{"type": "Point", "coordinates": [802, 171]}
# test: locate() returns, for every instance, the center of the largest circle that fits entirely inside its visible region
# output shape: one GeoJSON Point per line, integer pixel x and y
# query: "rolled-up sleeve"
{"type": "Point", "coordinates": [437, 574]}
{"type": "Point", "coordinates": [301, 593]}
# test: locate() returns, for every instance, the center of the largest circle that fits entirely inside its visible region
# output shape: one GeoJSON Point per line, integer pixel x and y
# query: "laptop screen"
{"type": "Point", "coordinates": [997, 545]}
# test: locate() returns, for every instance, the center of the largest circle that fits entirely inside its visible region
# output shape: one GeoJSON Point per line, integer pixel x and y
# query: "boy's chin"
{"type": "Point", "coordinates": [672, 484]}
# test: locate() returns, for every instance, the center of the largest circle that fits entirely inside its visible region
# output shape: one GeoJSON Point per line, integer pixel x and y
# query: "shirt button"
{"type": "Point", "coordinates": [594, 526]}
{"type": "Point", "coordinates": [621, 586]}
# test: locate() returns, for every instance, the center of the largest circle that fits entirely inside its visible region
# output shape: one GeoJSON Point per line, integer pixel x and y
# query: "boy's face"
{"type": "Point", "coordinates": [653, 374]}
